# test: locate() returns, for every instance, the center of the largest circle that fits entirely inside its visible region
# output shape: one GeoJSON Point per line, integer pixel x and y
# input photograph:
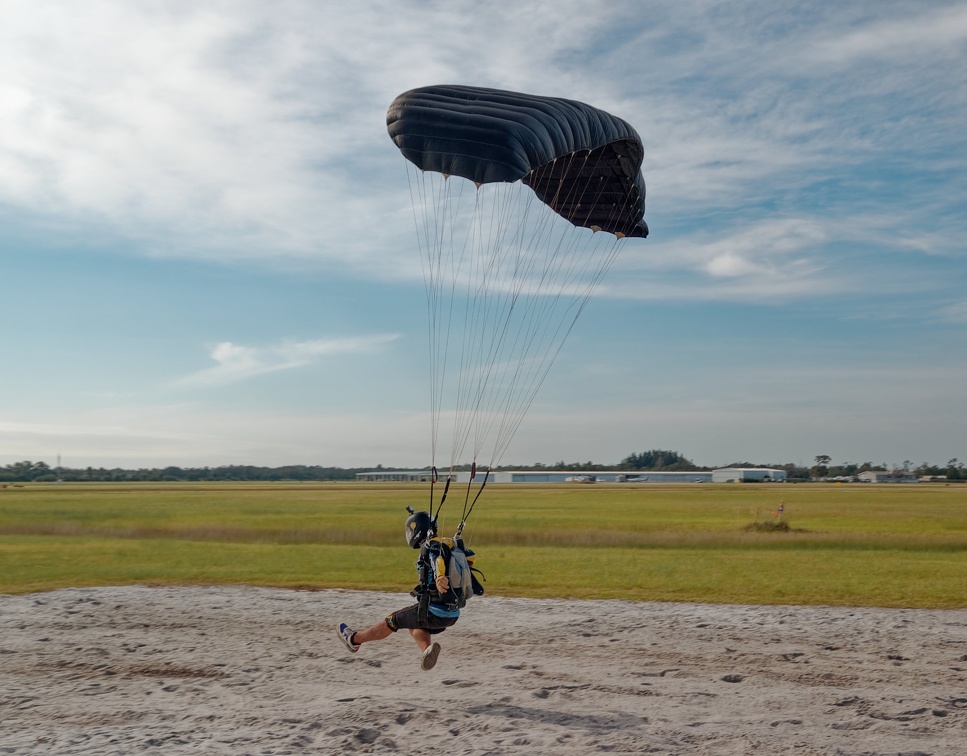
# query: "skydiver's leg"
{"type": "Point", "coordinates": [422, 637]}
{"type": "Point", "coordinates": [429, 649]}
{"type": "Point", "coordinates": [379, 631]}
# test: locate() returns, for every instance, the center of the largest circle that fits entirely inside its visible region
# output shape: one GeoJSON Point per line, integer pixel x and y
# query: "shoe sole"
{"type": "Point", "coordinates": [429, 657]}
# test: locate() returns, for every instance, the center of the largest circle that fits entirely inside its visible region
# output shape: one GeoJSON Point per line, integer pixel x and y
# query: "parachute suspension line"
{"type": "Point", "coordinates": [443, 498]}
{"type": "Point", "coordinates": [501, 354]}
{"type": "Point", "coordinates": [526, 400]}
{"type": "Point", "coordinates": [430, 242]}
{"type": "Point", "coordinates": [531, 327]}
{"type": "Point", "coordinates": [468, 244]}
{"type": "Point", "coordinates": [438, 341]}
{"type": "Point", "coordinates": [484, 233]}
{"type": "Point", "coordinates": [457, 261]}
{"type": "Point", "coordinates": [569, 279]}
{"type": "Point", "coordinates": [487, 296]}
{"type": "Point", "coordinates": [434, 476]}
{"type": "Point", "coordinates": [518, 351]}
{"type": "Point", "coordinates": [505, 281]}
{"type": "Point", "coordinates": [466, 499]}
{"type": "Point", "coordinates": [434, 207]}
{"type": "Point", "coordinates": [452, 261]}
{"type": "Point", "coordinates": [504, 291]}
{"type": "Point", "coordinates": [466, 512]}
{"type": "Point", "coordinates": [516, 271]}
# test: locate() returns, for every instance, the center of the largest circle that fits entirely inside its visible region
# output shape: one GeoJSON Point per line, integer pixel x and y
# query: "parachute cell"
{"type": "Point", "coordinates": [581, 161]}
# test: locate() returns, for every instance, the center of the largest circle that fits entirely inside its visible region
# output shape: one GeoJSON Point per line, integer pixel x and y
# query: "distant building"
{"type": "Point", "coordinates": [748, 475]}
{"type": "Point", "coordinates": [396, 476]}
{"type": "Point", "coordinates": [542, 476]}
{"type": "Point", "coordinates": [882, 476]}
{"type": "Point", "coordinates": [678, 476]}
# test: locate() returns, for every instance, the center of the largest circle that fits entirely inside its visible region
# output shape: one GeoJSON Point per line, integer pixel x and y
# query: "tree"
{"type": "Point", "coordinates": [656, 459]}
{"type": "Point", "coordinates": [820, 469]}
{"type": "Point", "coordinates": [955, 470]}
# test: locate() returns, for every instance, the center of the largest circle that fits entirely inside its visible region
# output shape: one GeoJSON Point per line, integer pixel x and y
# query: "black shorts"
{"type": "Point", "coordinates": [408, 619]}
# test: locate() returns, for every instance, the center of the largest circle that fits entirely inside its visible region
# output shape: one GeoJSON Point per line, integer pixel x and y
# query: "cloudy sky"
{"type": "Point", "coordinates": [207, 251]}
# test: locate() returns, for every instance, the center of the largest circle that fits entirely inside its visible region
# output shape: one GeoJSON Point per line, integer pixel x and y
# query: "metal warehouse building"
{"type": "Point", "coordinates": [543, 476]}
{"type": "Point", "coordinates": [744, 474]}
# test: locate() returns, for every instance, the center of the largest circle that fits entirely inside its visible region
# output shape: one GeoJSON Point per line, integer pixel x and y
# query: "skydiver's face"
{"type": "Point", "coordinates": [409, 533]}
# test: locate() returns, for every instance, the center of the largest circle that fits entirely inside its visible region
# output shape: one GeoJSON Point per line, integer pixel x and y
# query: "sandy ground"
{"type": "Point", "coordinates": [235, 670]}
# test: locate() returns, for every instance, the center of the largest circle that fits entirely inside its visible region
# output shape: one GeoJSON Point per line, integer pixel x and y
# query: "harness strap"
{"type": "Point", "coordinates": [423, 610]}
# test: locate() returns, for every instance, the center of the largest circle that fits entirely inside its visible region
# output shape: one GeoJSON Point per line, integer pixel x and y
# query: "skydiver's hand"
{"type": "Point", "coordinates": [442, 584]}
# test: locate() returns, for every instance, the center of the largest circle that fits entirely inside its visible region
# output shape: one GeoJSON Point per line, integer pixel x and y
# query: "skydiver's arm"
{"type": "Point", "coordinates": [440, 573]}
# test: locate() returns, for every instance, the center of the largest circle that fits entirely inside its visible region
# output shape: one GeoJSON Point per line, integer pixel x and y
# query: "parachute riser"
{"type": "Point", "coordinates": [435, 516]}
{"type": "Point", "coordinates": [475, 498]}
{"type": "Point", "coordinates": [446, 489]}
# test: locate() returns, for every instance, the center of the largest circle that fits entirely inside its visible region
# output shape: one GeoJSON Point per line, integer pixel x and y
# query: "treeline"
{"type": "Point", "coordinates": [659, 459]}
{"type": "Point", "coordinates": [40, 472]}
{"type": "Point", "coordinates": [953, 470]}
{"type": "Point", "coordinates": [655, 460]}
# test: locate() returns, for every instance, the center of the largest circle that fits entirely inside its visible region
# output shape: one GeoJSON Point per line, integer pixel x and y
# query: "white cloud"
{"type": "Point", "coordinates": [730, 265]}
{"type": "Point", "coordinates": [254, 130]}
{"type": "Point", "coordinates": [765, 248]}
{"type": "Point", "coordinates": [765, 261]}
{"type": "Point", "coordinates": [925, 29]}
{"type": "Point", "coordinates": [233, 129]}
{"type": "Point", "coordinates": [236, 362]}
{"type": "Point", "coordinates": [176, 125]}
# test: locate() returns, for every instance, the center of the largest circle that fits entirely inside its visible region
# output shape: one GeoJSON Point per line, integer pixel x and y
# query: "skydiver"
{"type": "Point", "coordinates": [437, 607]}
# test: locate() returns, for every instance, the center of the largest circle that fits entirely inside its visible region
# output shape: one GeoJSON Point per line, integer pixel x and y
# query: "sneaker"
{"type": "Point", "coordinates": [430, 657]}
{"type": "Point", "coordinates": [346, 633]}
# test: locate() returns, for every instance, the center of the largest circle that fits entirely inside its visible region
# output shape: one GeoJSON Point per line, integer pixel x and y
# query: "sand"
{"type": "Point", "coordinates": [237, 670]}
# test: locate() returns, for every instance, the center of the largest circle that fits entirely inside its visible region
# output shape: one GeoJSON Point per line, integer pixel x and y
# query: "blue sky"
{"type": "Point", "coordinates": [207, 253]}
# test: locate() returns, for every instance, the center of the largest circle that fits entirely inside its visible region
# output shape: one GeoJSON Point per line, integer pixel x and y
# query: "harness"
{"type": "Point", "coordinates": [462, 585]}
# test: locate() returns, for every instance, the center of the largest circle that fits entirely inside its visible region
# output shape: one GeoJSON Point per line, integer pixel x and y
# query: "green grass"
{"type": "Point", "coordinates": [863, 545]}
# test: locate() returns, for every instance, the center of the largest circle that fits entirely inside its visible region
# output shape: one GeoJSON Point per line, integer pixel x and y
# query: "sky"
{"type": "Point", "coordinates": [207, 248]}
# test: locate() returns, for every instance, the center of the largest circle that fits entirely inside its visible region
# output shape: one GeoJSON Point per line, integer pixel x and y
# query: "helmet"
{"type": "Point", "coordinates": [419, 526]}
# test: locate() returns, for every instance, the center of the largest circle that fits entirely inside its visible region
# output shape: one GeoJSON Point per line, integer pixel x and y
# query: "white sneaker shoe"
{"type": "Point", "coordinates": [346, 633]}
{"type": "Point", "coordinates": [430, 657]}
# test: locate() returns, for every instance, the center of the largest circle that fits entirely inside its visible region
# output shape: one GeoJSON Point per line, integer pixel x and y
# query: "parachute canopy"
{"type": "Point", "coordinates": [582, 162]}
{"type": "Point", "coordinates": [505, 188]}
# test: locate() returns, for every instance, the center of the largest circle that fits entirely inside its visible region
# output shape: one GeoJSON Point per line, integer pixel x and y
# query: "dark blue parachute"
{"type": "Point", "coordinates": [584, 163]}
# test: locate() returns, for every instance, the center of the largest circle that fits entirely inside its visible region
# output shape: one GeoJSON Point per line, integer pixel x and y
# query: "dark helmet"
{"type": "Point", "coordinates": [419, 526]}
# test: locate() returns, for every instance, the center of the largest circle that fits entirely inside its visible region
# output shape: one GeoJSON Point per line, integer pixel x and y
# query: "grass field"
{"type": "Point", "coordinates": [862, 545]}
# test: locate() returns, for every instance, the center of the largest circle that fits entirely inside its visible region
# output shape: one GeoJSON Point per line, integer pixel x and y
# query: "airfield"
{"type": "Point", "coordinates": [200, 619]}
